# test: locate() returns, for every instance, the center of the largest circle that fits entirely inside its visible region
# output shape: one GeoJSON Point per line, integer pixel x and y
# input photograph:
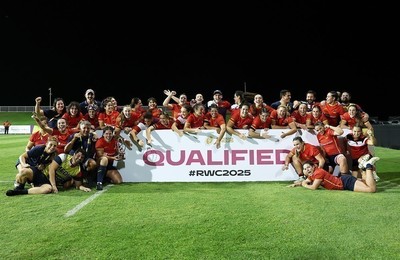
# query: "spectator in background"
{"type": "Point", "coordinates": [6, 125]}
{"type": "Point", "coordinates": [223, 105]}
{"type": "Point", "coordinates": [53, 114]}
{"type": "Point", "coordinates": [89, 100]}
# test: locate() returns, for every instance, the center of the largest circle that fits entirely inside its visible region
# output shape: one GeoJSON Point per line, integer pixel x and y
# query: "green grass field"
{"type": "Point", "coordinates": [17, 118]}
{"type": "Point", "coordinates": [253, 220]}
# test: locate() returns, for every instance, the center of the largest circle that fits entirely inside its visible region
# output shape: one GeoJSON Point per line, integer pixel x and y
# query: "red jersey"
{"type": "Point", "coordinates": [123, 122]}
{"type": "Point", "coordinates": [156, 112]}
{"type": "Point", "coordinates": [351, 121]}
{"type": "Point", "coordinates": [309, 153]}
{"type": "Point", "coordinates": [110, 148]}
{"type": "Point", "coordinates": [180, 122]}
{"type": "Point", "coordinates": [73, 121]}
{"type": "Point", "coordinates": [176, 110]}
{"type": "Point", "coordinates": [62, 139]}
{"type": "Point", "coordinates": [322, 118]}
{"type": "Point", "coordinates": [258, 124]}
{"type": "Point", "coordinates": [255, 111]}
{"type": "Point", "coordinates": [329, 142]}
{"type": "Point", "coordinates": [160, 126]}
{"type": "Point", "coordinates": [240, 122]}
{"type": "Point", "coordinates": [281, 121]}
{"type": "Point", "coordinates": [214, 122]}
{"type": "Point", "coordinates": [94, 121]}
{"type": "Point", "coordinates": [299, 118]}
{"type": "Point", "coordinates": [329, 181]}
{"type": "Point", "coordinates": [109, 119]}
{"type": "Point", "coordinates": [38, 139]}
{"type": "Point", "coordinates": [195, 121]}
{"type": "Point", "coordinates": [333, 113]}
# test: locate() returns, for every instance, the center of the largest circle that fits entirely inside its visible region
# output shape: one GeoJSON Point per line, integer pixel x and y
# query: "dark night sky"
{"type": "Point", "coordinates": [198, 47]}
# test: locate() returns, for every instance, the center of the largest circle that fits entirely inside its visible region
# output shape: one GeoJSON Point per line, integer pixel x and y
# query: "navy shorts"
{"type": "Point", "coordinates": [39, 178]}
{"type": "Point", "coordinates": [348, 181]}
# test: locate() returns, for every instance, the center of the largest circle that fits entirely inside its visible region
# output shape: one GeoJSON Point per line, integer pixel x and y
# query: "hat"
{"type": "Point", "coordinates": [89, 91]}
{"type": "Point", "coordinates": [217, 92]}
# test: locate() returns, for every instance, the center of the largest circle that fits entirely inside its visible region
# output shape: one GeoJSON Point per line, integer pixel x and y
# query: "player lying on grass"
{"type": "Point", "coordinates": [317, 177]}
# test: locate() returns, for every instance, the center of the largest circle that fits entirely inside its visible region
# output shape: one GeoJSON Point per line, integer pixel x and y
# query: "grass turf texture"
{"type": "Point", "coordinates": [247, 220]}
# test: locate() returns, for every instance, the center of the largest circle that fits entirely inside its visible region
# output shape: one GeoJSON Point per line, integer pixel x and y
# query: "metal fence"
{"type": "Point", "coordinates": [20, 108]}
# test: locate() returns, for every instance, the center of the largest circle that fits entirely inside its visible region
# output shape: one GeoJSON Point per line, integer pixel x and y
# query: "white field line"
{"type": "Point", "coordinates": [86, 201]}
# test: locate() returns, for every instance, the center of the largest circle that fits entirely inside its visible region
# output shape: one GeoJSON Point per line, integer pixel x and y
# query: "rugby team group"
{"type": "Point", "coordinates": [66, 152]}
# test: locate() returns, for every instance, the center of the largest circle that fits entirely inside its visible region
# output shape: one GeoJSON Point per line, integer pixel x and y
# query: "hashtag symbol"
{"type": "Point", "coordinates": [191, 173]}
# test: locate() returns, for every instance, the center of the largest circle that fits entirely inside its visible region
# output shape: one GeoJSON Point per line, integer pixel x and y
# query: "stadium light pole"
{"type": "Point", "coordinates": [50, 97]}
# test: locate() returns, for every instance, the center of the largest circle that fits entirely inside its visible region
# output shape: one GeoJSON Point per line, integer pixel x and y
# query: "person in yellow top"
{"type": "Point", "coordinates": [6, 125]}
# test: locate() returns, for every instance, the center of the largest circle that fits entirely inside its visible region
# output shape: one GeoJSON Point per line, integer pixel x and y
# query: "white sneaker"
{"type": "Point", "coordinates": [376, 177]}
{"type": "Point", "coordinates": [363, 159]}
{"type": "Point", "coordinates": [371, 161]}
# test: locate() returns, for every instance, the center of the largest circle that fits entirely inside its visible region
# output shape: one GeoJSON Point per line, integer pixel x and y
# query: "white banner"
{"type": "Point", "coordinates": [194, 158]}
{"type": "Point", "coordinates": [18, 129]}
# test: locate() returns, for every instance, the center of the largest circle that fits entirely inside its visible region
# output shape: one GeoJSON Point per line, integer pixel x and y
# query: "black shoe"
{"type": "Point", "coordinates": [99, 186]}
{"type": "Point", "coordinates": [19, 186]}
{"type": "Point", "coordinates": [10, 193]}
{"type": "Point", "coordinates": [16, 192]}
